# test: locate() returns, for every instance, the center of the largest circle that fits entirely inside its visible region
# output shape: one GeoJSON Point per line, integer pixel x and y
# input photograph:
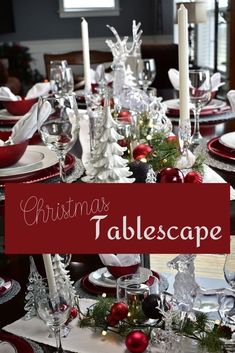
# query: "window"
{"type": "Point", "coordinates": [80, 8]}
{"type": "Point", "coordinates": [212, 37]}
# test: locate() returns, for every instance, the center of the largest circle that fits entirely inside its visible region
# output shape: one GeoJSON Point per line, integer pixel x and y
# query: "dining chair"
{"type": "Point", "coordinates": [76, 58]}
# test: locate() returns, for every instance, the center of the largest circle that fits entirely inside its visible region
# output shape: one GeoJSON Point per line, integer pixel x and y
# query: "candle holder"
{"type": "Point", "coordinates": [184, 135]}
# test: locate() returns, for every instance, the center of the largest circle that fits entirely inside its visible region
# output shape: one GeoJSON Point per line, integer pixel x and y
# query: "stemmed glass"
{"type": "Point", "coordinates": [54, 309]}
{"type": "Point", "coordinates": [146, 72]}
{"type": "Point", "coordinates": [58, 125]}
{"type": "Point", "coordinates": [227, 297]}
{"type": "Point", "coordinates": [57, 74]}
{"type": "Point", "coordinates": [200, 95]}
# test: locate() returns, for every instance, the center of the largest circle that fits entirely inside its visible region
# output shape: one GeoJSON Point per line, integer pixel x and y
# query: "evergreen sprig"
{"type": "Point", "coordinates": [208, 334]}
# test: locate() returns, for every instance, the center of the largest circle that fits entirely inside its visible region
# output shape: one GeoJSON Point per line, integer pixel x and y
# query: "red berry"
{"type": "Point", "coordinates": [73, 312]}
{"type": "Point", "coordinates": [193, 177]}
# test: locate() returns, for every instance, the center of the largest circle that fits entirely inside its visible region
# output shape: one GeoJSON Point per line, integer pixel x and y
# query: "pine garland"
{"type": "Point", "coordinates": [208, 334]}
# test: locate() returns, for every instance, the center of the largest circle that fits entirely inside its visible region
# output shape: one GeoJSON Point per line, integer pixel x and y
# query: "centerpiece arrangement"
{"type": "Point", "coordinates": [147, 143]}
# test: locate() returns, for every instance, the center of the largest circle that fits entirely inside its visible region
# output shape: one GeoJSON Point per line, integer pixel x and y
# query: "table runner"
{"type": "Point", "coordinates": [82, 340]}
{"type": "Point", "coordinates": [79, 340]}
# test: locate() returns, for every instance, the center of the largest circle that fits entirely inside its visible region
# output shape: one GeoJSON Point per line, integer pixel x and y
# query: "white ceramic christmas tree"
{"type": "Point", "coordinates": [107, 164]}
{"type": "Point", "coordinates": [62, 277]}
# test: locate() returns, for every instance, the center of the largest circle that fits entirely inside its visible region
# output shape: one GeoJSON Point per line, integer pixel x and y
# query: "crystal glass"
{"type": "Point", "coordinates": [200, 95]}
{"type": "Point", "coordinates": [227, 297]}
{"type": "Point", "coordinates": [134, 288]}
{"type": "Point", "coordinates": [146, 70]}
{"type": "Point", "coordinates": [57, 75]}
{"type": "Point", "coordinates": [58, 125]}
{"type": "Point", "coordinates": [229, 269]}
{"type": "Point", "coordinates": [54, 310]}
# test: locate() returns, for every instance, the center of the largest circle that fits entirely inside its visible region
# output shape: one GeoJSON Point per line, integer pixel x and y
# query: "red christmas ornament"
{"type": "Point", "coordinates": [193, 177]}
{"type": "Point", "coordinates": [73, 312]}
{"type": "Point", "coordinates": [172, 138]}
{"type": "Point", "coordinates": [170, 175]}
{"type": "Point", "coordinates": [125, 116]}
{"type": "Point", "coordinates": [119, 311]}
{"type": "Point", "coordinates": [111, 321]}
{"type": "Point", "coordinates": [141, 151]}
{"type": "Point", "coordinates": [136, 341]}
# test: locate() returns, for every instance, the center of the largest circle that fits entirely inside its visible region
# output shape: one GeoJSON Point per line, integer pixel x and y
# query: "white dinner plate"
{"type": "Point", "coordinates": [214, 104]}
{"type": "Point", "coordinates": [35, 158]}
{"type": "Point", "coordinates": [103, 278]}
{"type": "Point", "coordinates": [228, 139]}
{"type": "Point", "coordinates": [4, 114]}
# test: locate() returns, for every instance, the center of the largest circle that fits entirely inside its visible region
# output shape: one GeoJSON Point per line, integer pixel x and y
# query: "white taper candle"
{"type": "Point", "coordinates": [49, 273]}
{"type": "Point", "coordinates": [183, 63]}
{"type": "Point", "coordinates": [86, 54]}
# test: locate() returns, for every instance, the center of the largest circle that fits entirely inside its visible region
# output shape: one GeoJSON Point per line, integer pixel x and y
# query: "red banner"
{"type": "Point", "coordinates": [117, 218]}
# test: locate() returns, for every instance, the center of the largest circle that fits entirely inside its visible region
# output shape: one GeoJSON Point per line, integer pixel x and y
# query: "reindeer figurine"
{"type": "Point", "coordinates": [185, 285]}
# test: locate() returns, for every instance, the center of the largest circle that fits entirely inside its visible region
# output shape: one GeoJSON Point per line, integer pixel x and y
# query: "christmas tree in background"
{"type": "Point", "coordinates": [107, 164]}
{"type": "Point", "coordinates": [62, 277]}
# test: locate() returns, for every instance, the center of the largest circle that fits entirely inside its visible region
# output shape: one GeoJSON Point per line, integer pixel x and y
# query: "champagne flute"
{"type": "Point", "coordinates": [58, 125]}
{"type": "Point", "coordinates": [200, 95]}
{"type": "Point", "coordinates": [54, 309]}
{"type": "Point", "coordinates": [146, 72]}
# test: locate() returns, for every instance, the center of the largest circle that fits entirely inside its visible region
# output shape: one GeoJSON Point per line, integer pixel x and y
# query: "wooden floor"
{"type": "Point", "coordinates": [205, 265]}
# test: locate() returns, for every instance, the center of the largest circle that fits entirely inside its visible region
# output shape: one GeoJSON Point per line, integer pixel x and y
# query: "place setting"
{"type": "Point", "coordinates": [105, 279]}
{"type": "Point", "coordinates": [9, 288]}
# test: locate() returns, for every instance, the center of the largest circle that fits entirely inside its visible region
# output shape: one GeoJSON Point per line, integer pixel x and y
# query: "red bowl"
{"type": "Point", "coordinates": [118, 271]}
{"type": "Point", "coordinates": [10, 154]}
{"type": "Point", "coordinates": [20, 107]}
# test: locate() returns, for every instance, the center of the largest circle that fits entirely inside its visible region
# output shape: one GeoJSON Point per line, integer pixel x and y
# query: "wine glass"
{"type": "Point", "coordinates": [227, 297]}
{"type": "Point", "coordinates": [54, 309]}
{"type": "Point", "coordinates": [58, 125]}
{"type": "Point", "coordinates": [57, 75]}
{"type": "Point", "coordinates": [200, 95]}
{"type": "Point", "coordinates": [146, 72]}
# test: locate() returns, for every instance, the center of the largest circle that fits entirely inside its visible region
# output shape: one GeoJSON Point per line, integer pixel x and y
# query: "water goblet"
{"type": "Point", "coordinates": [146, 71]}
{"type": "Point", "coordinates": [58, 125]}
{"type": "Point", "coordinates": [54, 309]}
{"type": "Point", "coordinates": [200, 95]}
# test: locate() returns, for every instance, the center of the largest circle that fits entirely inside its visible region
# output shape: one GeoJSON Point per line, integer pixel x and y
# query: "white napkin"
{"type": "Point", "coordinates": [26, 126]}
{"type": "Point", "coordinates": [7, 95]}
{"type": "Point", "coordinates": [216, 83]}
{"type": "Point", "coordinates": [120, 259]}
{"type": "Point", "coordinates": [6, 347]}
{"type": "Point", "coordinates": [38, 90]}
{"type": "Point", "coordinates": [99, 74]}
{"type": "Point", "coordinates": [231, 98]}
{"type": "Point", "coordinates": [210, 176]}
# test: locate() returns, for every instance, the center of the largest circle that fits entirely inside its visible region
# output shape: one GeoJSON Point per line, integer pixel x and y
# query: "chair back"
{"type": "Point", "coordinates": [76, 58]}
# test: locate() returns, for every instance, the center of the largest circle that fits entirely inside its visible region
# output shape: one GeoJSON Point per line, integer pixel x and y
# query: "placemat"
{"type": "Point", "coordinates": [218, 117]}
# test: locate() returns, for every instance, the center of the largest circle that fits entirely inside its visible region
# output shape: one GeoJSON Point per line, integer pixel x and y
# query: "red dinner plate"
{"type": "Point", "coordinates": [6, 286]}
{"type": "Point", "coordinates": [39, 175]}
{"type": "Point", "coordinates": [99, 290]}
{"type": "Point", "coordinates": [217, 149]}
{"type": "Point", "coordinates": [18, 343]}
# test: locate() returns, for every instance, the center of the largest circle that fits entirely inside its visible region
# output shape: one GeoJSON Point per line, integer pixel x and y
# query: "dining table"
{"type": "Point", "coordinates": [33, 333]}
